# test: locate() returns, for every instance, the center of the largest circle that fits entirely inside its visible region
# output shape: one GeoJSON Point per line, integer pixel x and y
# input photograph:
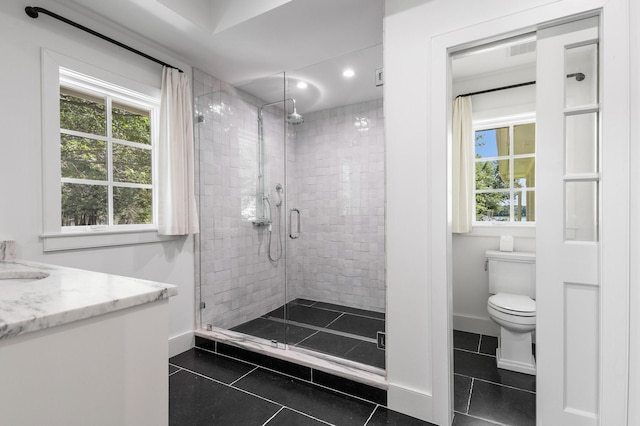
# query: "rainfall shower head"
{"type": "Point", "coordinates": [295, 118]}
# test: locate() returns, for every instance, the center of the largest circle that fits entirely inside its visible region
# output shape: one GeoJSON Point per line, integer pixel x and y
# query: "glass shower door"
{"type": "Point", "coordinates": [335, 212]}
{"type": "Point", "coordinates": [240, 144]}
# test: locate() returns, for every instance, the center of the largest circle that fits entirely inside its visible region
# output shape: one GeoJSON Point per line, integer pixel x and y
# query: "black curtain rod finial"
{"type": "Point", "coordinates": [33, 12]}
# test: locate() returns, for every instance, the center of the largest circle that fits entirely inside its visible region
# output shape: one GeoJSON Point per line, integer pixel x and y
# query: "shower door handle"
{"type": "Point", "coordinates": [297, 233]}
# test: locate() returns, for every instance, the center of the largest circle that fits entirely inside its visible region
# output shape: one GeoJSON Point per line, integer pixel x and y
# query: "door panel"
{"type": "Point", "coordinates": [568, 248]}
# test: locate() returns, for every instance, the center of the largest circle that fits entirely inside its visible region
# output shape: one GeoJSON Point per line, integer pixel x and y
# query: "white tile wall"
{"type": "Point", "coordinates": [337, 183]}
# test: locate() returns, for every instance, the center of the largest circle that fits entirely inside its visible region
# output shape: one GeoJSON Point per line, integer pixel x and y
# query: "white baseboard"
{"type": "Point", "coordinates": [410, 402]}
{"type": "Point", "coordinates": [180, 343]}
{"type": "Point", "coordinates": [476, 325]}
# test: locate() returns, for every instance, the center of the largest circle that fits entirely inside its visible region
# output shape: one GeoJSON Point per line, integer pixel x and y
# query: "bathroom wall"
{"type": "Point", "coordinates": [21, 39]}
{"type": "Point", "coordinates": [470, 280]}
{"type": "Point", "coordinates": [337, 183]}
{"type": "Point", "coordinates": [237, 281]}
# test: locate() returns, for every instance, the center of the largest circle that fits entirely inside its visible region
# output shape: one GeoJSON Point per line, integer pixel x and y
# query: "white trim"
{"type": "Point", "coordinates": [88, 78]}
{"type": "Point", "coordinates": [181, 342]}
{"type": "Point", "coordinates": [504, 120]}
{"type": "Point", "coordinates": [100, 238]}
{"type": "Point", "coordinates": [478, 325]}
{"type": "Point", "coordinates": [410, 401]}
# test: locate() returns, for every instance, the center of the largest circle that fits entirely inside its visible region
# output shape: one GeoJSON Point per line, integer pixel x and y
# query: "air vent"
{"type": "Point", "coordinates": [521, 49]}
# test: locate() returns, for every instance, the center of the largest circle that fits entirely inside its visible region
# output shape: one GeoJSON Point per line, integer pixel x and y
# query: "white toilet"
{"type": "Point", "coordinates": [512, 283]}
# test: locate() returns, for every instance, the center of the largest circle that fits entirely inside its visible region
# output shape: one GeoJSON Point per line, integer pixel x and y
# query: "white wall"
{"type": "Point", "coordinates": [418, 244]}
{"type": "Point", "coordinates": [21, 41]}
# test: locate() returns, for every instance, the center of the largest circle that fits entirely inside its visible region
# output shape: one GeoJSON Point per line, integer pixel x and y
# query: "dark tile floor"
{"type": "Point", "coordinates": [212, 389]}
{"type": "Point", "coordinates": [485, 394]}
{"type": "Point", "coordinates": [337, 330]}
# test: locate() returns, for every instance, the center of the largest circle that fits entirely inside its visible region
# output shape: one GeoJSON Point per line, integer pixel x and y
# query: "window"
{"type": "Point", "coordinates": [106, 154]}
{"type": "Point", "coordinates": [505, 173]}
{"type": "Point", "coordinates": [99, 134]}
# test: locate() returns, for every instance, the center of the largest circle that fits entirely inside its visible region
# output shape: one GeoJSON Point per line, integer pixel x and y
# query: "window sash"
{"type": "Point", "coordinates": [511, 157]}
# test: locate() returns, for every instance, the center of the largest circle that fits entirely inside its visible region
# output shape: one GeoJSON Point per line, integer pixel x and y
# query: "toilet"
{"type": "Point", "coordinates": [512, 283]}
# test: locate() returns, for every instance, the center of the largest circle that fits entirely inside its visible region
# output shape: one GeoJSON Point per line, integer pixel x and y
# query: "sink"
{"type": "Point", "coordinates": [17, 274]}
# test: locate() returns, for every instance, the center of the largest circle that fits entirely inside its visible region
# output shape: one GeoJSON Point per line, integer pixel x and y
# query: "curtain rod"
{"type": "Point", "coordinates": [33, 13]}
{"type": "Point", "coordinates": [513, 86]}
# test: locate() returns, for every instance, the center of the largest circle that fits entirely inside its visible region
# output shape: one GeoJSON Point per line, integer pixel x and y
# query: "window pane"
{"type": "Point", "coordinates": [581, 69]}
{"type": "Point", "coordinates": [581, 143]}
{"type": "Point", "coordinates": [131, 206]}
{"type": "Point", "coordinates": [492, 206]}
{"type": "Point", "coordinates": [131, 164]}
{"type": "Point", "coordinates": [130, 123]}
{"type": "Point", "coordinates": [83, 158]}
{"type": "Point", "coordinates": [492, 174]}
{"type": "Point", "coordinates": [581, 207]}
{"type": "Point", "coordinates": [524, 203]}
{"type": "Point", "coordinates": [492, 142]}
{"type": "Point", "coordinates": [524, 139]}
{"type": "Point", "coordinates": [84, 205]}
{"type": "Point", "coordinates": [82, 112]}
{"type": "Point", "coordinates": [524, 172]}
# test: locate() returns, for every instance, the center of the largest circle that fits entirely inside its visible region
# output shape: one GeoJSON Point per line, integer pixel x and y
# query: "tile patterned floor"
{"type": "Point", "coordinates": [337, 330]}
{"type": "Point", "coordinates": [485, 395]}
{"type": "Point", "coordinates": [212, 389]}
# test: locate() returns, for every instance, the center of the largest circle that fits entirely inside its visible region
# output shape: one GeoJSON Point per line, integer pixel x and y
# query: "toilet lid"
{"type": "Point", "coordinates": [515, 304]}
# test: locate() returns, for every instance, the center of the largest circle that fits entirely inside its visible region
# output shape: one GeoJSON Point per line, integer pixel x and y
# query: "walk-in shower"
{"type": "Point", "coordinates": [291, 253]}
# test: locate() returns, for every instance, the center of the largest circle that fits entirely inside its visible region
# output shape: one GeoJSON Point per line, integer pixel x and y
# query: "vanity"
{"type": "Point", "coordinates": [82, 348]}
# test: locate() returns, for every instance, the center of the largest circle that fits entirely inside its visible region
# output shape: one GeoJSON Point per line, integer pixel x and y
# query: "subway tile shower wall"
{"type": "Point", "coordinates": [337, 183]}
{"type": "Point", "coordinates": [336, 180]}
{"type": "Point", "coordinates": [238, 283]}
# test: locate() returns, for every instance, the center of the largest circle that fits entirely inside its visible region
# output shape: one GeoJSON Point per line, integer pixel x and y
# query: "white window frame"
{"type": "Point", "coordinates": [495, 123]}
{"type": "Point", "coordinates": [57, 68]}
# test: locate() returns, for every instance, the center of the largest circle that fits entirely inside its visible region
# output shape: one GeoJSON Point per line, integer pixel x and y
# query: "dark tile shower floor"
{"type": "Point", "coordinates": [484, 394]}
{"type": "Point", "coordinates": [342, 331]}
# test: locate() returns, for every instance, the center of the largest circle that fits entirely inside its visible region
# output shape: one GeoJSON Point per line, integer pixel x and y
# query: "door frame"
{"type": "Point", "coordinates": [614, 307]}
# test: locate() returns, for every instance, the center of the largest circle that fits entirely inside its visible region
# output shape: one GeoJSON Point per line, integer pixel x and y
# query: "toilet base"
{"type": "Point", "coordinates": [514, 352]}
{"type": "Point", "coordinates": [520, 367]}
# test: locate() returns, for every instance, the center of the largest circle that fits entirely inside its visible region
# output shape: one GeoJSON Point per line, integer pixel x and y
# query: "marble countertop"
{"type": "Point", "coordinates": [36, 296]}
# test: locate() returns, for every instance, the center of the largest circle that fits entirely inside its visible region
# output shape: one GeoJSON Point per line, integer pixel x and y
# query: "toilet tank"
{"type": "Point", "coordinates": [512, 272]}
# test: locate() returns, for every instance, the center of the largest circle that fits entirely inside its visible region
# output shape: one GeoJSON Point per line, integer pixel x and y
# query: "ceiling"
{"type": "Point", "coordinates": [498, 64]}
{"type": "Point", "coordinates": [244, 41]}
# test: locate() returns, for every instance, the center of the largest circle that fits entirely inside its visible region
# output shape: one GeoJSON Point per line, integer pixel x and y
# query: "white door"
{"type": "Point", "coordinates": [567, 224]}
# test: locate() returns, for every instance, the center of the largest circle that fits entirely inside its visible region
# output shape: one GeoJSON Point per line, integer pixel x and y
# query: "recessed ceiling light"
{"type": "Point", "coordinates": [348, 72]}
{"type": "Point", "coordinates": [301, 85]}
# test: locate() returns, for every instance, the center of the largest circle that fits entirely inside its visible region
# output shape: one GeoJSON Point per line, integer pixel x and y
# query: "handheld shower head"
{"type": "Point", "coordinates": [279, 192]}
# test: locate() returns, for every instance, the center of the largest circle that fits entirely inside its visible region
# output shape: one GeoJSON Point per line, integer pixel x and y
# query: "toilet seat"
{"type": "Point", "coordinates": [513, 304]}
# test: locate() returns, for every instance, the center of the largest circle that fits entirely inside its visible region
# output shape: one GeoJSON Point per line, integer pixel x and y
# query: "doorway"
{"type": "Point", "coordinates": [499, 79]}
{"type": "Point", "coordinates": [614, 126]}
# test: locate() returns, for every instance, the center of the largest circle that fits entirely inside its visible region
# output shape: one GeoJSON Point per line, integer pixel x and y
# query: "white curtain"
{"type": "Point", "coordinates": [177, 214]}
{"type": "Point", "coordinates": [463, 165]}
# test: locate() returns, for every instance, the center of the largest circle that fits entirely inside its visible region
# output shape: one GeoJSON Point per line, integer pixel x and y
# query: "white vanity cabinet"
{"type": "Point", "coordinates": [83, 348]}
